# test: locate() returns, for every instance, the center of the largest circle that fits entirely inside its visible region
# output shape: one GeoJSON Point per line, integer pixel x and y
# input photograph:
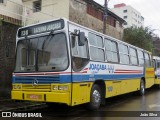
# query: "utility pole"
{"type": "Point", "coordinates": [105, 16]}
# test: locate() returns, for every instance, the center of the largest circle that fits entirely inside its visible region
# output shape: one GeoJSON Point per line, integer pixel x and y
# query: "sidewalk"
{"type": "Point", "coordinates": [10, 105]}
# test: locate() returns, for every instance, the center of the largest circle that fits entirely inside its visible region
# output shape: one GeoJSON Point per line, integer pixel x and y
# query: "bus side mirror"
{"type": "Point", "coordinates": [81, 40]}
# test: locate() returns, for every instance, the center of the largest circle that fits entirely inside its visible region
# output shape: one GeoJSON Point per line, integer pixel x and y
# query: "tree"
{"type": "Point", "coordinates": [140, 37]}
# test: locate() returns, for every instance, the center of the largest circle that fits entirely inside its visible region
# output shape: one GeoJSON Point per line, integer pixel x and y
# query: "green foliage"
{"type": "Point", "coordinates": [140, 37]}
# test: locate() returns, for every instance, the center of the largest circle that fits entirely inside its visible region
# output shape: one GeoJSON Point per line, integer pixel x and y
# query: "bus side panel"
{"type": "Point", "coordinates": [115, 87]}
{"type": "Point", "coordinates": [130, 85]}
{"type": "Point", "coordinates": [81, 92]}
{"type": "Point", "coordinates": [157, 81]}
{"type": "Point", "coordinates": [149, 77]}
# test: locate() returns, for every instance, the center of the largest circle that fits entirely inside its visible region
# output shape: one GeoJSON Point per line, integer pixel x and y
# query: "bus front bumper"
{"type": "Point", "coordinates": [56, 97]}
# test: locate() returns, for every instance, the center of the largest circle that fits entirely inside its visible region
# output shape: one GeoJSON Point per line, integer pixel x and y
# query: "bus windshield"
{"type": "Point", "coordinates": [47, 53]}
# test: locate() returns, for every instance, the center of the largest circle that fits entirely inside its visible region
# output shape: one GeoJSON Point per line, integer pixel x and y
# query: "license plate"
{"type": "Point", "coordinates": [34, 97]}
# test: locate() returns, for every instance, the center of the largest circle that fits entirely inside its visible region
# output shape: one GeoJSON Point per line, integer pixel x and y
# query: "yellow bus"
{"type": "Point", "coordinates": [63, 62]}
{"type": "Point", "coordinates": [156, 61]}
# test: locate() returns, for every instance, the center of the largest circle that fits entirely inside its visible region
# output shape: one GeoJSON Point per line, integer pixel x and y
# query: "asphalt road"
{"type": "Point", "coordinates": [123, 107]}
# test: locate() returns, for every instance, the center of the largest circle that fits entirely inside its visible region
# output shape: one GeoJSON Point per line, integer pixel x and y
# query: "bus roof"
{"type": "Point", "coordinates": [107, 36]}
{"type": "Point", "coordinates": [98, 33]}
{"type": "Point", "coordinates": [156, 57]}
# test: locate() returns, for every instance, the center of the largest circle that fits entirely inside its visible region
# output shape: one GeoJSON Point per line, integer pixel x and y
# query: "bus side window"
{"type": "Point", "coordinates": [124, 54]}
{"type": "Point", "coordinates": [96, 47]}
{"type": "Point", "coordinates": [154, 64]}
{"type": "Point", "coordinates": [133, 56]}
{"type": "Point", "coordinates": [147, 60]}
{"type": "Point", "coordinates": [158, 64]}
{"type": "Point", "coordinates": [111, 51]}
{"type": "Point", "coordinates": [140, 58]}
{"type": "Point", "coordinates": [80, 54]}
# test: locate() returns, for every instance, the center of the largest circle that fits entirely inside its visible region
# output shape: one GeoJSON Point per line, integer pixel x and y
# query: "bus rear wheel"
{"type": "Point", "coordinates": [95, 97]}
{"type": "Point", "coordinates": [142, 87]}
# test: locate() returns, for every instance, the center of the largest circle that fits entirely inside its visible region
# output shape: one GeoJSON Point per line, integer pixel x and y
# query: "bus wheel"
{"type": "Point", "coordinates": [142, 87]}
{"type": "Point", "coordinates": [95, 97]}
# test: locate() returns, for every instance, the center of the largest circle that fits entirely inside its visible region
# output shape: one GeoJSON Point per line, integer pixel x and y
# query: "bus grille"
{"type": "Point", "coordinates": [40, 87]}
{"type": "Point", "coordinates": [41, 79]}
{"type": "Point", "coordinates": [44, 83]}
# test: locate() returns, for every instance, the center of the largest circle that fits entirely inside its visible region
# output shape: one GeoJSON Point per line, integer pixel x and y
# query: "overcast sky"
{"type": "Point", "coordinates": [149, 9]}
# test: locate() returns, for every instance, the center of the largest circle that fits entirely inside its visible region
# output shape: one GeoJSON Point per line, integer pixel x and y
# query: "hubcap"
{"type": "Point", "coordinates": [142, 87]}
{"type": "Point", "coordinates": [96, 96]}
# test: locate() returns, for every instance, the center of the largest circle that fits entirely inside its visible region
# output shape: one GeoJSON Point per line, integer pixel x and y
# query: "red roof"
{"type": "Point", "coordinates": [119, 5]}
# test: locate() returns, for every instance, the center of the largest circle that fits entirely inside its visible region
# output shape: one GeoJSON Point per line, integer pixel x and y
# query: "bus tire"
{"type": "Point", "coordinates": [95, 97]}
{"type": "Point", "coordinates": [142, 87]}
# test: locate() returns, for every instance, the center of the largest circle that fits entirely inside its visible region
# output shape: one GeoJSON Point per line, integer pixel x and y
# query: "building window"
{"type": "Point", "coordinates": [125, 23]}
{"type": "Point", "coordinates": [93, 11]}
{"type": "Point", "coordinates": [125, 17]}
{"type": "Point", "coordinates": [124, 11]}
{"type": "Point", "coordinates": [37, 6]}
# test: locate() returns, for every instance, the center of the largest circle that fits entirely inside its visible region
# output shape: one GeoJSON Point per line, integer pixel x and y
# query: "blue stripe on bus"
{"type": "Point", "coordinates": [76, 78]}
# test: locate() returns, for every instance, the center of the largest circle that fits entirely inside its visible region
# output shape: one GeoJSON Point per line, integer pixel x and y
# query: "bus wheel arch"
{"type": "Point", "coordinates": [98, 91]}
{"type": "Point", "coordinates": [142, 86]}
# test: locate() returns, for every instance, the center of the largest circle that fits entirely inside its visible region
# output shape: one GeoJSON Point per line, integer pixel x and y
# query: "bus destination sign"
{"type": "Point", "coordinates": [41, 28]}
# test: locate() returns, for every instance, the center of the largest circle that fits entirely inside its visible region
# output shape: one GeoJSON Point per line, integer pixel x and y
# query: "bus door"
{"type": "Point", "coordinates": [149, 71]}
{"type": "Point", "coordinates": [80, 58]}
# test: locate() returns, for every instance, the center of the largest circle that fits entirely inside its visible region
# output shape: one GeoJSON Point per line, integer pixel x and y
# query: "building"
{"type": "Point", "coordinates": [85, 12]}
{"type": "Point", "coordinates": [129, 14]}
{"type": "Point", "coordinates": [7, 56]}
{"type": "Point", "coordinates": [10, 19]}
{"type": "Point", "coordinates": [11, 11]}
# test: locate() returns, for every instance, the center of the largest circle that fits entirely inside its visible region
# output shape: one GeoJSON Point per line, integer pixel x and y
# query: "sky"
{"type": "Point", "coordinates": [149, 9]}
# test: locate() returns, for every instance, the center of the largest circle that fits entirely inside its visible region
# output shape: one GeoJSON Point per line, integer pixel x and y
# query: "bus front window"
{"type": "Point", "coordinates": [42, 54]}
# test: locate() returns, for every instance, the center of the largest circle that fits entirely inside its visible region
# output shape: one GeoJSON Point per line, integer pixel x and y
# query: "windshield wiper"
{"type": "Point", "coordinates": [47, 39]}
{"type": "Point", "coordinates": [36, 57]}
{"type": "Point", "coordinates": [28, 48]}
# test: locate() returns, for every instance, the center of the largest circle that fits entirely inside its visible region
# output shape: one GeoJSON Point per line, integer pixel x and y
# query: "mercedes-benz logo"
{"type": "Point", "coordinates": [35, 83]}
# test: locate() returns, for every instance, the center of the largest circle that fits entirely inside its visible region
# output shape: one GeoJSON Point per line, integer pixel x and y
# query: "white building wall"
{"type": "Point", "coordinates": [51, 9]}
{"type": "Point", "coordinates": [12, 8]}
{"type": "Point", "coordinates": [134, 17]}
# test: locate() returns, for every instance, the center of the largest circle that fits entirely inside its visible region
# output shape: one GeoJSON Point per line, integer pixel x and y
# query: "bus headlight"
{"type": "Point", "coordinates": [14, 87]}
{"type": "Point", "coordinates": [62, 87]}
{"type": "Point", "coordinates": [54, 87]}
{"type": "Point", "coordinates": [59, 87]}
{"type": "Point", "coordinates": [17, 87]}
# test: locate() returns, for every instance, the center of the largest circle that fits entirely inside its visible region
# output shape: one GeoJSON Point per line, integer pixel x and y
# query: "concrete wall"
{"type": "Point", "coordinates": [7, 57]}
{"type": "Point", "coordinates": [12, 9]}
{"type": "Point", "coordinates": [78, 14]}
{"type": "Point", "coordinates": [51, 9]}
